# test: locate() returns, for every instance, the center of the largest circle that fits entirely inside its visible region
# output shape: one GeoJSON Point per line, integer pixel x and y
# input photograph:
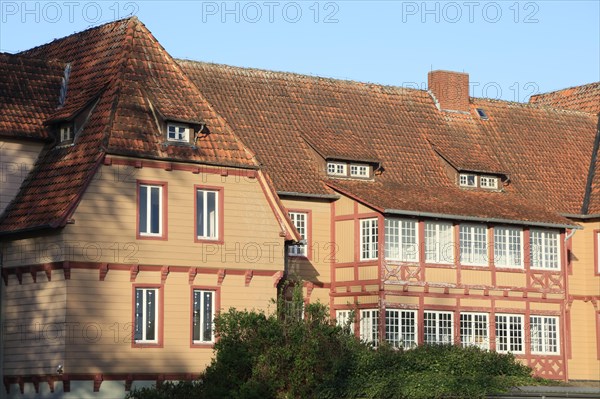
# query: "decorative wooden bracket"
{"type": "Point", "coordinates": [33, 276]}
{"type": "Point", "coordinates": [67, 270]}
{"type": "Point", "coordinates": [277, 278]}
{"type": "Point", "coordinates": [248, 276]}
{"type": "Point", "coordinates": [220, 276]}
{"type": "Point", "coordinates": [35, 380]}
{"type": "Point", "coordinates": [309, 289]}
{"type": "Point", "coordinates": [48, 270]}
{"type": "Point", "coordinates": [102, 271]}
{"type": "Point", "coordinates": [5, 276]}
{"type": "Point", "coordinates": [133, 272]}
{"type": "Point", "coordinates": [164, 272]}
{"type": "Point", "coordinates": [192, 275]}
{"type": "Point", "coordinates": [128, 382]}
{"type": "Point", "coordinates": [97, 382]}
{"type": "Point", "coordinates": [19, 274]}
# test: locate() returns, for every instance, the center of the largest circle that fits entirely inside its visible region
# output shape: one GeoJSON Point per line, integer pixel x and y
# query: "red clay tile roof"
{"type": "Point", "coordinates": [122, 67]}
{"type": "Point", "coordinates": [29, 93]}
{"type": "Point", "coordinates": [583, 98]}
{"type": "Point", "coordinates": [545, 152]}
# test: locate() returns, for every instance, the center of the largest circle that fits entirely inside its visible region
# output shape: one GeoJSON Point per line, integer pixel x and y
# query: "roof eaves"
{"type": "Point", "coordinates": [307, 195]}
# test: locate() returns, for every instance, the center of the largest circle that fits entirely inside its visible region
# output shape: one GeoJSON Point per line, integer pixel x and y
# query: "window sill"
{"type": "Point", "coordinates": [198, 345]}
{"type": "Point", "coordinates": [510, 269]}
{"type": "Point", "coordinates": [151, 237]}
{"type": "Point", "coordinates": [147, 345]}
{"type": "Point", "coordinates": [217, 241]}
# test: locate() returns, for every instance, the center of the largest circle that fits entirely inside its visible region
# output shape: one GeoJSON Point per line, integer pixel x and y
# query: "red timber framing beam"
{"type": "Point", "coordinates": [105, 268]}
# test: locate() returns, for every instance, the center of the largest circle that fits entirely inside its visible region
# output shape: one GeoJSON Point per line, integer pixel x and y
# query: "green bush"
{"type": "Point", "coordinates": [287, 356]}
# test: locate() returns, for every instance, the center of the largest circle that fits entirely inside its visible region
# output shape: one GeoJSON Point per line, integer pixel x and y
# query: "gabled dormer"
{"type": "Point", "coordinates": [474, 180]}
{"type": "Point", "coordinates": [183, 132]}
{"type": "Point", "coordinates": [67, 127]}
{"type": "Point", "coordinates": [350, 169]}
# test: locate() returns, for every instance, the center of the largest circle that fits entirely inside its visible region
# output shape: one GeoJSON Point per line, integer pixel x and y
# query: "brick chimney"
{"type": "Point", "coordinates": [451, 89]}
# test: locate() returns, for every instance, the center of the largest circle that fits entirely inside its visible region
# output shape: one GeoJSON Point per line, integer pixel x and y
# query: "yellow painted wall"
{"type": "Point", "coordinates": [584, 281]}
{"type": "Point", "coordinates": [584, 363]}
{"type": "Point", "coordinates": [345, 241]}
{"type": "Point", "coordinates": [16, 160]}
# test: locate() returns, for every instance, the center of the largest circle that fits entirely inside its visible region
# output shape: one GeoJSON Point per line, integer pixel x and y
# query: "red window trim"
{"type": "Point", "coordinates": [165, 206]}
{"type": "Point", "coordinates": [160, 316]}
{"type": "Point", "coordinates": [308, 233]}
{"type": "Point", "coordinates": [217, 291]}
{"type": "Point", "coordinates": [596, 260]}
{"type": "Point", "coordinates": [221, 217]}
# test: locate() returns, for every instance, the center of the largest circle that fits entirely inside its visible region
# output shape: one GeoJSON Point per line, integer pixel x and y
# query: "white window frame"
{"type": "Point", "coordinates": [369, 239]}
{"type": "Point", "coordinates": [66, 133]}
{"type": "Point", "coordinates": [337, 169]}
{"type": "Point", "coordinates": [206, 234]}
{"type": "Point", "coordinates": [475, 329]}
{"type": "Point", "coordinates": [342, 318]}
{"type": "Point", "coordinates": [401, 328]}
{"type": "Point", "coordinates": [473, 245]}
{"type": "Point", "coordinates": [402, 239]}
{"type": "Point", "coordinates": [541, 258]}
{"type": "Point", "coordinates": [148, 232]}
{"type": "Point", "coordinates": [369, 326]}
{"type": "Point", "coordinates": [463, 180]}
{"type": "Point", "coordinates": [199, 314]}
{"type": "Point", "coordinates": [144, 313]}
{"type": "Point", "coordinates": [488, 182]}
{"type": "Point", "coordinates": [437, 321]}
{"type": "Point", "coordinates": [505, 247]}
{"type": "Point", "coordinates": [357, 170]}
{"type": "Point", "coordinates": [507, 323]}
{"type": "Point", "coordinates": [544, 334]}
{"type": "Point", "coordinates": [437, 247]}
{"type": "Point", "coordinates": [179, 137]}
{"type": "Point", "coordinates": [300, 220]}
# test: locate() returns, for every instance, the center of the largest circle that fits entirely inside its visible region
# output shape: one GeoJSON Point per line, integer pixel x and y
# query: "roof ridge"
{"type": "Point", "coordinates": [535, 105]}
{"type": "Point", "coordinates": [565, 89]}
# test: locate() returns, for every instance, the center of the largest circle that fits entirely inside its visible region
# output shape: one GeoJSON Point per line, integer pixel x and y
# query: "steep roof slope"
{"type": "Point", "coordinates": [121, 71]}
{"type": "Point", "coordinates": [583, 98]}
{"type": "Point", "coordinates": [282, 117]}
{"type": "Point", "coordinates": [29, 94]}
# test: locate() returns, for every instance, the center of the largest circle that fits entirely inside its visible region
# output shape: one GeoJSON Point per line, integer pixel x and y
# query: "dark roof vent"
{"type": "Point", "coordinates": [64, 85]}
{"type": "Point", "coordinates": [482, 114]}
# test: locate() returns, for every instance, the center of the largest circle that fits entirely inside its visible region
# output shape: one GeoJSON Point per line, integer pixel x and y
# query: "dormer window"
{"type": "Point", "coordinates": [336, 169]}
{"type": "Point", "coordinates": [359, 171]}
{"type": "Point", "coordinates": [488, 182]}
{"type": "Point", "coordinates": [178, 133]}
{"type": "Point", "coordinates": [66, 133]}
{"type": "Point", "coordinates": [468, 180]}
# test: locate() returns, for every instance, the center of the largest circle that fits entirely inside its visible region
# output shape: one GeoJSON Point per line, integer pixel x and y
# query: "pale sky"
{"type": "Point", "coordinates": [511, 49]}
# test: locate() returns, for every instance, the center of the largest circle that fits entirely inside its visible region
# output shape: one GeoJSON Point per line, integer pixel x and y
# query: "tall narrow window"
{"type": "Point", "coordinates": [150, 210]}
{"type": "Point", "coordinates": [544, 334]}
{"type": "Point", "coordinates": [207, 214]}
{"type": "Point", "coordinates": [544, 249]}
{"type": "Point", "coordinates": [401, 242]}
{"type": "Point", "coordinates": [509, 333]}
{"type": "Point", "coordinates": [438, 327]}
{"type": "Point", "coordinates": [508, 247]}
{"type": "Point", "coordinates": [473, 245]}
{"type": "Point", "coordinates": [344, 318]}
{"type": "Point", "coordinates": [439, 242]}
{"type": "Point", "coordinates": [300, 220]}
{"type": "Point", "coordinates": [203, 316]}
{"type": "Point", "coordinates": [146, 315]}
{"type": "Point", "coordinates": [401, 328]}
{"type": "Point", "coordinates": [369, 326]}
{"type": "Point", "coordinates": [474, 330]}
{"type": "Point", "coordinates": [369, 239]}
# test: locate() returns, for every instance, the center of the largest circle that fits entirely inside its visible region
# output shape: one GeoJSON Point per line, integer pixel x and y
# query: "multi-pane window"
{"type": "Point", "coordinates": [508, 247]}
{"type": "Point", "coordinates": [345, 319]}
{"type": "Point", "coordinates": [401, 240]}
{"type": "Point", "coordinates": [438, 327]}
{"type": "Point", "coordinates": [359, 171]}
{"type": "Point", "coordinates": [439, 242]}
{"type": "Point", "coordinates": [146, 315]}
{"type": "Point", "coordinates": [467, 180]}
{"type": "Point", "coordinates": [473, 245]}
{"type": "Point", "coordinates": [300, 220]}
{"type": "Point", "coordinates": [544, 334]}
{"type": "Point", "coordinates": [66, 133]}
{"type": "Point", "coordinates": [178, 133]}
{"type": "Point", "coordinates": [488, 182]}
{"type": "Point", "coordinates": [150, 210]}
{"type": "Point", "coordinates": [207, 214]}
{"type": "Point", "coordinates": [401, 328]}
{"type": "Point", "coordinates": [509, 333]}
{"type": "Point", "coordinates": [369, 326]}
{"type": "Point", "coordinates": [368, 239]}
{"type": "Point", "coordinates": [544, 249]}
{"type": "Point", "coordinates": [336, 168]}
{"type": "Point", "coordinates": [474, 330]}
{"type": "Point", "coordinates": [203, 316]}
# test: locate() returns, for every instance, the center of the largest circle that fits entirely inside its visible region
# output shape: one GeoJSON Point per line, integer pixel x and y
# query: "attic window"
{"type": "Point", "coordinates": [468, 180]}
{"type": "Point", "coordinates": [66, 133]}
{"type": "Point", "coordinates": [178, 133]}
{"type": "Point", "coordinates": [359, 170]}
{"type": "Point", "coordinates": [336, 169]}
{"type": "Point", "coordinates": [482, 114]}
{"type": "Point", "coordinates": [488, 182]}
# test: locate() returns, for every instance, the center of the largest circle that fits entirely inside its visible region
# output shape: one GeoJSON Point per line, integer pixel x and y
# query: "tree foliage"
{"type": "Point", "coordinates": [294, 355]}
